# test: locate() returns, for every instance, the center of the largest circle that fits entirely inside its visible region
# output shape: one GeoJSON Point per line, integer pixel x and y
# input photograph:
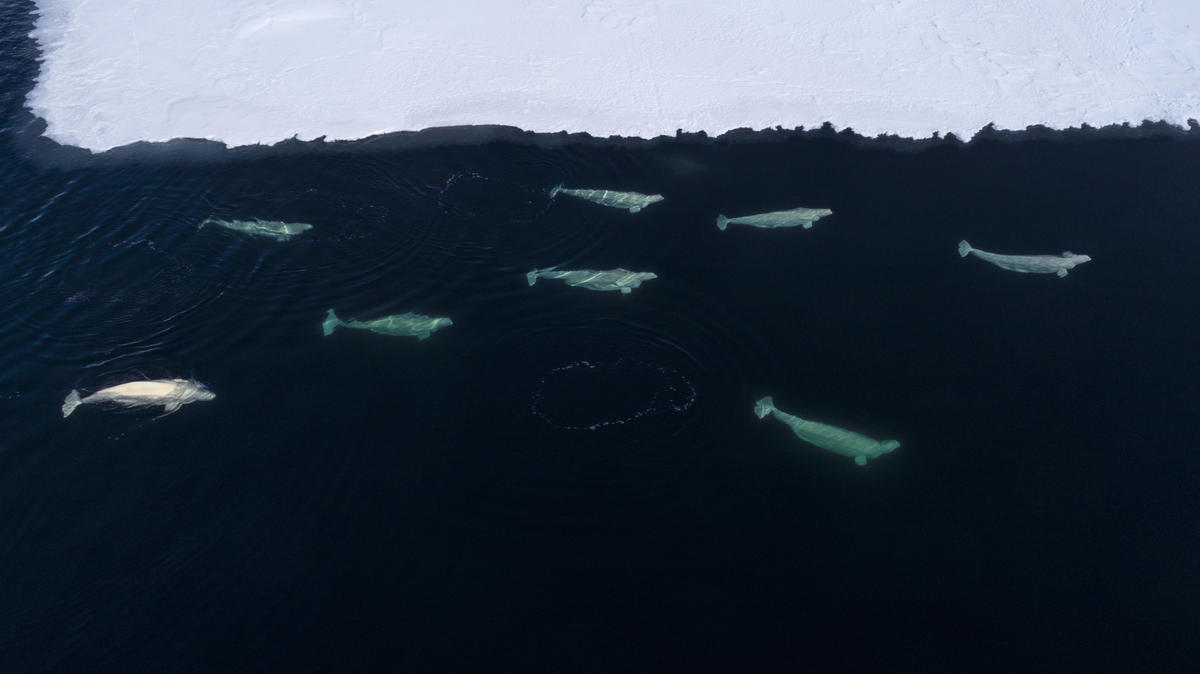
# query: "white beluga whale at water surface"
{"type": "Point", "coordinates": [610, 279]}
{"type": "Point", "coordinates": [632, 201]}
{"type": "Point", "coordinates": [275, 229]}
{"type": "Point", "coordinates": [830, 438]}
{"type": "Point", "coordinates": [804, 217]}
{"type": "Point", "coordinates": [1028, 264]}
{"type": "Point", "coordinates": [398, 325]}
{"type": "Point", "coordinates": [170, 393]}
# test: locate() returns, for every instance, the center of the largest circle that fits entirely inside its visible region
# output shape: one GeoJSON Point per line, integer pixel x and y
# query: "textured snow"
{"type": "Point", "coordinates": [260, 71]}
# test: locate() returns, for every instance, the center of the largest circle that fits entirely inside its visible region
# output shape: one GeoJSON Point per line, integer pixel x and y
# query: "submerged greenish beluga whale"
{"type": "Point", "coordinates": [398, 325]}
{"type": "Point", "coordinates": [831, 438]}
{"type": "Point", "coordinates": [280, 231]}
{"type": "Point", "coordinates": [804, 217]}
{"type": "Point", "coordinates": [610, 279]}
{"type": "Point", "coordinates": [632, 201]}
{"type": "Point", "coordinates": [1028, 264]}
{"type": "Point", "coordinates": [170, 393]}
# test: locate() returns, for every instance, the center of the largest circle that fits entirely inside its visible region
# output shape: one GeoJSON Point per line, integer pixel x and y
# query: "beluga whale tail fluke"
{"type": "Point", "coordinates": [830, 438]}
{"type": "Point", "coordinates": [764, 407]}
{"type": "Point", "coordinates": [532, 276]}
{"type": "Point", "coordinates": [555, 190]}
{"type": "Point", "coordinates": [331, 323]}
{"type": "Point", "coordinates": [722, 222]}
{"type": "Point", "coordinates": [1027, 264]}
{"type": "Point", "coordinates": [73, 400]}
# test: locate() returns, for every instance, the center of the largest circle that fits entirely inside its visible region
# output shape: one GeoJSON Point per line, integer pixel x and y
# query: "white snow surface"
{"type": "Point", "coordinates": [260, 71]}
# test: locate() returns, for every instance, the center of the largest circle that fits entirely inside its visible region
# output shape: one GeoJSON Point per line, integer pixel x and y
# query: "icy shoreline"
{"type": "Point", "coordinates": [262, 72]}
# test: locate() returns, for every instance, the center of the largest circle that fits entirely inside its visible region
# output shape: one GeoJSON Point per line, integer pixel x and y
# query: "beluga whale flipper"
{"type": "Point", "coordinates": [830, 438]}
{"type": "Point", "coordinates": [804, 217]}
{"type": "Point", "coordinates": [397, 325]}
{"type": "Point", "coordinates": [170, 393]}
{"type": "Point", "coordinates": [274, 229]}
{"type": "Point", "coordinates": [610, 279]}
{"type": "Point", "coordinates": [1028, 264]}
{"type": "Point", "coordinates": [632, 201]}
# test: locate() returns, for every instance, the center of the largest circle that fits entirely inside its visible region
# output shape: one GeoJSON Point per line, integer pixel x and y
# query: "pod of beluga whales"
{"type": "Point", "coordinates": [173, 394]}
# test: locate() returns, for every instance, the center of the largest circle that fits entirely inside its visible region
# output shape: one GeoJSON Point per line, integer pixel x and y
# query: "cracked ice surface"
{"type": "Point", "coordinates": [259, 71]}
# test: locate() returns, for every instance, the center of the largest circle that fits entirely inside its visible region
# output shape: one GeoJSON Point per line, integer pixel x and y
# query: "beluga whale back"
{"type": "Point", "coordinates": [1028, 264]}
{"type": "Point", "coordinates": [397, 325]}
{"type": "Point", "coordinates": [274, 229]}
{"type": "Point", "coordinates": [804, 217]}
{"type": "Point", "coordinates": [609, 279]}
{"type": "Point", "coordinates": [632, 201]}
{"type": "Point", "coordinates": [830, 438]}
{"type": "Point", "coordinates": [170, 393]}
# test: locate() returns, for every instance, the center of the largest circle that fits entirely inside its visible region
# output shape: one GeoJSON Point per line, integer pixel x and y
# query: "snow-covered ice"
{"type": "Point", "coordinates": [260, 71]}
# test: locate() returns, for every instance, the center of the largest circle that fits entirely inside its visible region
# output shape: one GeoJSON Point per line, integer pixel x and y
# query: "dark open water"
{"type": "Point", "coordinates": [365, 503]}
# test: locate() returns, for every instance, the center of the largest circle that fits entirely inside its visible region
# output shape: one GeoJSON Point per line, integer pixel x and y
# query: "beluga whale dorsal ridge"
{"type": "Point", "coordinates": [830, 438]}
{"type": "Point", "coordinates": [803, 217]}
{"type": "Point", "coordinates": [619, 279]}
{"type": "Point", "coordinates": [170, 393]}
{"type": "Point", "coordinates": [397, 325]}
{"type": "Point", "coordinates": [631, 201]}
{"type": "Point", "coordinates": [274, 229]}
{"type": "Point", "coordinates": [1028, 264]}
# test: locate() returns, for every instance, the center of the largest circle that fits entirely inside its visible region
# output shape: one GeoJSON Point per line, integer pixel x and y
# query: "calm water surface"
{"type": "Point", "coordinates": [567, 480]}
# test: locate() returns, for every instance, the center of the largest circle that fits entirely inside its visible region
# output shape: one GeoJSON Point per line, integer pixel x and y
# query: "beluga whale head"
{"type": "Point", "coordinates": [1075, 258]}
{"type": "Point", "coordinates": [881, 447]}
{"type": "Point", "coordinates": [199, 391]}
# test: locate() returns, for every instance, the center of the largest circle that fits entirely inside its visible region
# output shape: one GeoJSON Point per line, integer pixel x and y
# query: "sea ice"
{"type": "Point", "coordinates": [260, 71]}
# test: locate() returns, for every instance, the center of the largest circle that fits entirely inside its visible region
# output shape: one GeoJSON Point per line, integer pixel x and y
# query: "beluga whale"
{"type": "Point", "coordinates": [830, 438]}
{"type": "Point", "coordinates": [397, 325]}
{"type": "Point", "coordinates": [610, 279]}
{"type": "Point", "coordinates": [1028, 264]}
{"type": "Point", "coordinates": [274, 229]}
{"type": "Point", "coordinates": [631, 201]}
{"type": "Point", "coordinates": [804, 217]}
{"type": "Point", "coordinates": [170, 393]}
